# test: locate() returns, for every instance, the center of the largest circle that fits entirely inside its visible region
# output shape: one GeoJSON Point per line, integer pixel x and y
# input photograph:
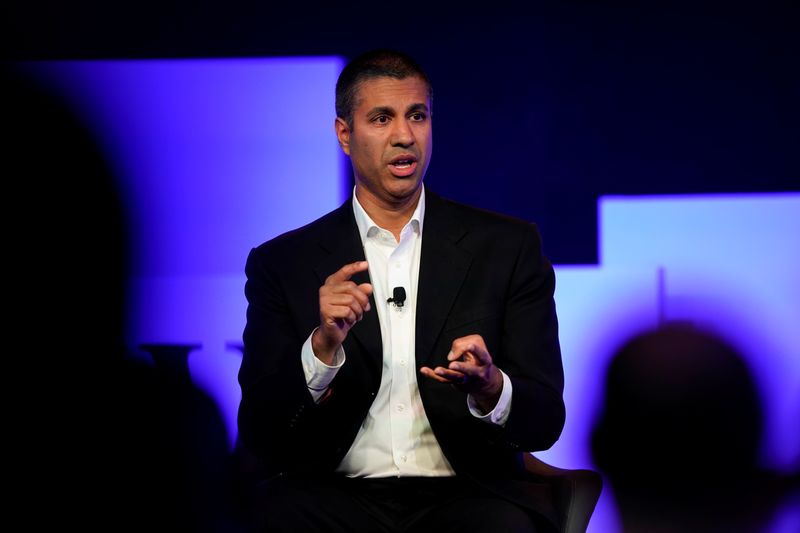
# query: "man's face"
{"type": "Point", "coordinates": [391, 139]}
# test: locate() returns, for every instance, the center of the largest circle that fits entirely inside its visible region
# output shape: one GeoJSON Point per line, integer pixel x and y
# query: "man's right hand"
{"type": "Point", "coordinates": [342, 304]}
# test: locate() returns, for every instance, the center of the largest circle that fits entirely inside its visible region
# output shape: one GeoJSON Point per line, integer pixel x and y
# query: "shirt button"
{"type": "Point", "coordinates": [403, 458]}
{"type": "Point", "coordinates": [397, 265]}
{"type": "Point", "coordinates": [402, 362]}
{"type": "Point", "coordinates": [400, 407]}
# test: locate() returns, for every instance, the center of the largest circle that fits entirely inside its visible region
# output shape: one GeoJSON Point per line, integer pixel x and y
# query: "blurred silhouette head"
{"type": "Point", "coordinates": [680, 433]}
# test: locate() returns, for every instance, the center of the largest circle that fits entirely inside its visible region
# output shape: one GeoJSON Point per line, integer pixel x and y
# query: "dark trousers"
{"type": "Point", "coordinates": [387, 505]}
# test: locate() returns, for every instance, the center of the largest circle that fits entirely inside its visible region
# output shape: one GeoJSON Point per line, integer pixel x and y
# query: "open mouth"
{"type": "Point", "coordinates": [403, 165]}
{"type": "Point", "coordinates": [403, 162]}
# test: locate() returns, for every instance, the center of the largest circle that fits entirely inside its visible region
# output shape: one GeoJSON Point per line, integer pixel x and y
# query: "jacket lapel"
{"type": "Point", "coordinates": [443, 267]}
{"type": "Point", "coordinates": [342, 245]}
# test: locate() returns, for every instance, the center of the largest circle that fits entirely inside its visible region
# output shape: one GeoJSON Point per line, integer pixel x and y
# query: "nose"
{"type": "Point", "coordinates": [402, 134]}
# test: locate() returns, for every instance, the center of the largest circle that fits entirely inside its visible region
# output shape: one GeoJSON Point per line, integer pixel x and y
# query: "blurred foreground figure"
{"type": "Point", "coordinates": [99, 441]}
{"type": "Point", "coordinates": [680, 434]}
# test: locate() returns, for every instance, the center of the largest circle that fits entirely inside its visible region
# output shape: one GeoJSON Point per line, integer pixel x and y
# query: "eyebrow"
{"type": "Point", "coordinates": [386, 110]}
{"type": "Point", "coordinates": [381, 110]}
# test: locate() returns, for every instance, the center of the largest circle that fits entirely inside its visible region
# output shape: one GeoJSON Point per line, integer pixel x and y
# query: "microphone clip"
{"type": "Point", "coordinates": [398, 297]}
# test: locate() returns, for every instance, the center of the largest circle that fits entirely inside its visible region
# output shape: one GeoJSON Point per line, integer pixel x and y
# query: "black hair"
{"type": "Point", "coordinates": [374, 64]}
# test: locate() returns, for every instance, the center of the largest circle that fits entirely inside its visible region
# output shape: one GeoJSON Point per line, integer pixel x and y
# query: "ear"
{"type": "Point", "coordinates": [343, 134]}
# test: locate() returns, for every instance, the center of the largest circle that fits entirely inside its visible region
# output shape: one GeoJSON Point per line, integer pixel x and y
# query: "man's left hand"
{"type": "Point", "coordinates": [470, 370]}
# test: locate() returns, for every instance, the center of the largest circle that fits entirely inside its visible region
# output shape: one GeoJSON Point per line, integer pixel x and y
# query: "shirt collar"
{"type": "Point", "coordinates": [365, 223]}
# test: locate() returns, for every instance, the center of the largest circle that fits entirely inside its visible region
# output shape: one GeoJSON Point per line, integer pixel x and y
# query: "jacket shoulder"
{"type": "Point", "coordinates": [484, 220]}
{"type": "Point", "coordinates": [313, 232]}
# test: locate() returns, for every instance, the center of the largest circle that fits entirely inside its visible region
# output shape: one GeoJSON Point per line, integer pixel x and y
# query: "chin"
{"type": "Point", "coordinates": [407, 186]}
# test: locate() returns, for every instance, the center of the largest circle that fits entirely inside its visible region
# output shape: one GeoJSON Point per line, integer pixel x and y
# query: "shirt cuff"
{"type": "Point", "coordinates": [318, 374]}
{"type": "Point", "coordinates": [498, 415]}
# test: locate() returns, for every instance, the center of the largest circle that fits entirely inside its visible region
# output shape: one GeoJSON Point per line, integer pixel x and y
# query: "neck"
{"type": "Point", "coordinates": [392, 216]}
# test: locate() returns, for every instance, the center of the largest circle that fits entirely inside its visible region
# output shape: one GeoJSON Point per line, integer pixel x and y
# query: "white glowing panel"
{"type": "Point", "coordinates": [730, 263]}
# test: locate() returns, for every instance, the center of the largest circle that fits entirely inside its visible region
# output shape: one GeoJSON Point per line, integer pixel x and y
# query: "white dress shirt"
{"type": "Point", "coordinates": [395, 438]}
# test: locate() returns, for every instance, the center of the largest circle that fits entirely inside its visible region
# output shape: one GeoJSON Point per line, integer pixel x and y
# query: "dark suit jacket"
{"type": "Point", "coordinates": [480, 273]}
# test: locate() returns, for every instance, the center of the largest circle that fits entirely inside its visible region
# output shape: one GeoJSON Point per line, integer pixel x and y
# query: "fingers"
{"type": "Point", "coordinates": [347, 293]}
{"type": "Point", "coordinates": [342, 304]}
{"type": "Point", "coordinates": [450, 375]}
{"type": "Point", "coordinates": [467, 368]}
{"type": "Point", "coordinates": [427, 372]}
{"type": "Point", "coordinates": [346, 272]}
{"type": "Point", "coordinates": [341, 299]}
{"type": "Point", "coordinates": [342, 307]}
{"type": "Point", "coordinates": [470, 369]}
{"type": "Point", "coordinates": [443, 375]}
{"type": "Point", "coordinates": [469, 348]}
{"type": "Point", "coordinates": [350, 314]}
{"type": "Point", "coordinates": [366, 288]}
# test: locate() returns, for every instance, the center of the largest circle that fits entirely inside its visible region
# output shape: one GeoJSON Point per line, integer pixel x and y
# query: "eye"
{"type": "Point", "coordinates": [419, 116]}
{"type": "Point", "coordinates": [381, 119]}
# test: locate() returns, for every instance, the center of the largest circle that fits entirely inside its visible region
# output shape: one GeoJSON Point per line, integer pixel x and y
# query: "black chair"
{"type": "Point", "coordinates": [575, 491]}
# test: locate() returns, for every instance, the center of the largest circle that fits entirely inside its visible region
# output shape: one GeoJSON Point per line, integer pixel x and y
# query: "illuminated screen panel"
{"type": "Point", "coordinates": [598, 308]}
{"type": "Point", "coordinates": [727, 262]}
{"type": "Point", "coordinates": [213, 156]}
{"type": "Point", "coordinates": [730, 263]}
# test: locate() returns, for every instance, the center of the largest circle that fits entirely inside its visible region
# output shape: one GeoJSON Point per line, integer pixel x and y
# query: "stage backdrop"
{"type": "Point", "coordinates": [214, 157]}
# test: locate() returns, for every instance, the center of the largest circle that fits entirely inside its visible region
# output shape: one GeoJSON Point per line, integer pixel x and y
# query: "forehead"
{"type": "Point", "coordinates": [392, 92]}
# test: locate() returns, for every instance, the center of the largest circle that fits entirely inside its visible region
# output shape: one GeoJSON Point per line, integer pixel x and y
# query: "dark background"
{"type": "Point", "coordinates": [539, 108]}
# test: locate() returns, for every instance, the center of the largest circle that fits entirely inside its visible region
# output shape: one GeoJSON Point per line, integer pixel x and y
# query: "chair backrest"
{"type": "Point", "coordinates": [575, 491]}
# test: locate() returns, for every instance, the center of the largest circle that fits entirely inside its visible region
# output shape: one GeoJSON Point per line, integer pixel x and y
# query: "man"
{"type": "Point", "coordinates": [401, 351]}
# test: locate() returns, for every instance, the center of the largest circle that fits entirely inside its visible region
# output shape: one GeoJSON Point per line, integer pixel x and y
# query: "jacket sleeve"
{"type": "Point", "coordinates": [531, 354]}
{"type": "Point", "coordinates": [278, 419]}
